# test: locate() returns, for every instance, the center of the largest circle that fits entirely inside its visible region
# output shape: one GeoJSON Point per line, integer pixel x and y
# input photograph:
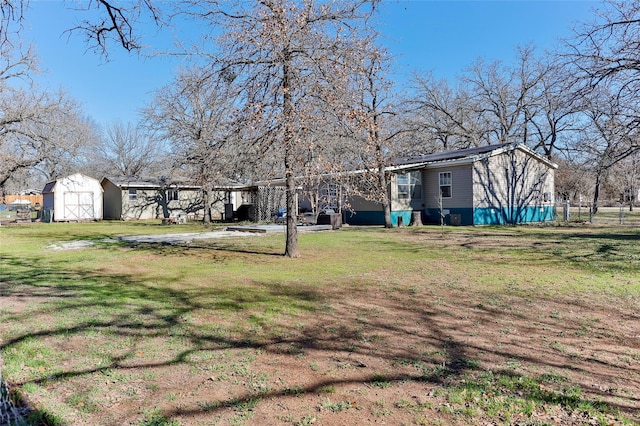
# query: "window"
{"type": "Point", "coordinates": [409, 186]}
{"type": "Point", "coordinates": [445, 184]}
{"type": "Point", "coordinates": [133, 194]}
{"type": "Point", "coordinates": [403, 186]}
{"type": "Point", "coordinates": [172, 195]}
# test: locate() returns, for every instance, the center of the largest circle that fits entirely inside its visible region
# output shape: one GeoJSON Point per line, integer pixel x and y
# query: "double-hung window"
{"type": "Point", "coordinates": [409, 186]}
{"type": "Point", "coordinates": [172, 195]}
{"type": "Point", "coordinates": [445, 184]}
{"type": "Point", "coordinates": [133, 194]}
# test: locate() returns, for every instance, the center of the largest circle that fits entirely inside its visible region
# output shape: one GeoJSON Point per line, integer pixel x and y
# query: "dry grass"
{"type": "Point", "coordinates": [408, 326]}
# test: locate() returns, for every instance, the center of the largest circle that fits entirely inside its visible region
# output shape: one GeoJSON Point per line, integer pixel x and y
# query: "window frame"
{"type": "Point", "coordinates": [403, 194]}
{"type": "Point", "coordinates": [133, 194]}
{"type": "Point", "coordinates": [445, 180]}
{"type": "Point", "coordinates": [173, 194]}
{"type": "Point", "coordinates": [411, 183]}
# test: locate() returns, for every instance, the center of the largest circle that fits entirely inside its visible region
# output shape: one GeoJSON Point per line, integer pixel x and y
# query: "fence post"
{"type": "Point", "coordinates": [565, 213]}
{"type": "Point", "coordinates": [621, 214]}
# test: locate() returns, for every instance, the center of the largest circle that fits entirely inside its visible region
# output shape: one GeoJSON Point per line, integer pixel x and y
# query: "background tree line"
{"type": "Point", "coordinates": [302, 88]}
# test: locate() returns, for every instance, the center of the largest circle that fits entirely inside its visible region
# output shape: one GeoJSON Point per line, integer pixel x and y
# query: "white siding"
{"type": "Point", "coordinates": [512, 179]}
{"type": "Point", "coordinates": [77, 197]}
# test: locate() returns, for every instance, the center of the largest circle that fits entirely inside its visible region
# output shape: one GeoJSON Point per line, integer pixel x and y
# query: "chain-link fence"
{"type": "Point", "coordinates": [605, 216]}
{"type": "Point", "coordinates": [267, 201]}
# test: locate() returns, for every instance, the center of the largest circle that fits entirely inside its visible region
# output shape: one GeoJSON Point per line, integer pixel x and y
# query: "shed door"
{"type": "Point", "coordinates": [78, 205]}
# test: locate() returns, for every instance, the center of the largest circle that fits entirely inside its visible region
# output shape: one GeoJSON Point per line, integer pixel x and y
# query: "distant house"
{"type": "Point", "coordinates": [127, 198]}
{"type": "Point", "coordinates": [497, 184]}
{"type": "Point", "coordinates": [72, 198]}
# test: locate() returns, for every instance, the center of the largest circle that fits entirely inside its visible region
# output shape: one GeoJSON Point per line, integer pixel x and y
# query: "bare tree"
{"type": "Point", "coordinates": [629, 179]}
{"type": "Point", "coordinates": [286, 57]}
{"type": "Point", "coordinates": [113, 21]}
{"type": "Point", "coordinates": [127, 150]}
{"type": "Point", "coordinates": [196, 114]}
{"type": "Point", "coordinates": [573, 179]}
{"type": "Point", "coordinates": [527, 103]}
{"type": "Point", "coordinates": [34, 126]}
{"type": "Point", "coordinates": [608, 49]}
{"type": "Point", "coordinates": [68, 145]}
{"type": "Point", "coordinates": [371, 128]}
{"type": "Point", "coordinates": [11, 14]}
{"type": "Point", "coordinates": [607, 138]}
{"type": "Point", "coordinates": [444, 115]}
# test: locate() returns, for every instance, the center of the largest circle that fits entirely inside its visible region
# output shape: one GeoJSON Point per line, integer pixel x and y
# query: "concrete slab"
{"type": "Point", "coordinates": [261, 229]}
{"type": "Point", "coordinates": [186, 237]}
{"type": "Point", "coordinates": [179, 238]}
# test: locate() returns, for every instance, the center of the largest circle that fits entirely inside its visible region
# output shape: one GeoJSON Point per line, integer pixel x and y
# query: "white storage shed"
{"type": "Point", "coordinates": [73, 198]}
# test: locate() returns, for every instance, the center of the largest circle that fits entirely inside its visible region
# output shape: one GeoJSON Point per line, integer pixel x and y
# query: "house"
{"type": "Point", "coordinates": [72, 198]}
{"type": "Point", "coordinates": [497, 184]}
{"type": "Point", "coordinates": [127, 198]}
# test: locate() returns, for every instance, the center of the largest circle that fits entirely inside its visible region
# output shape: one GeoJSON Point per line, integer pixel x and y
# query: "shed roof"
{"type": "Point", "coordinates": [50, 186]}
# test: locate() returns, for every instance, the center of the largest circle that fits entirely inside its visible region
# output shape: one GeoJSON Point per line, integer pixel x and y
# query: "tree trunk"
{"type": "Point", "coordinates": [164, 203]}
{"type": "Point", "coordinates": [386, 207]}
{"type": "Point", "coordinates": [596, 195]}
{"type": "Point", "coordinates": [291, 247]}
{"type": "Point", "coordinates": [207, 206]}
{"type": "Point", "coordinates": [384, 187]}
{"type": "Point", "coordinates": [386, 202]}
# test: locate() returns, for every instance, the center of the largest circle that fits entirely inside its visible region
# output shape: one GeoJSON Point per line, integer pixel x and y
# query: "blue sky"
{"type": "Point", "coordinates": [442, 37]}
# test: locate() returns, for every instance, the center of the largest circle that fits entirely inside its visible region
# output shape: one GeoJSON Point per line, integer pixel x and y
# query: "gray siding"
{"type": "Point", "coordinates": [358, 203]}
{"type": "Point", "coordinates": [461, 187]}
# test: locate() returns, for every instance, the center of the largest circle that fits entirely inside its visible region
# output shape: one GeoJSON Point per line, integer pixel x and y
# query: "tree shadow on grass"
{"type": "Point", "coordinates": [130, 309]}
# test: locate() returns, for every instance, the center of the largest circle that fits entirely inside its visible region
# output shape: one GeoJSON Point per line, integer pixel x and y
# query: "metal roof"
{"type": "Point", "coordinates": [464, 156]}
{"type": "Point", "coordinates": [153, 183]}
{"type": "Point", "coordinates": [449, 155]}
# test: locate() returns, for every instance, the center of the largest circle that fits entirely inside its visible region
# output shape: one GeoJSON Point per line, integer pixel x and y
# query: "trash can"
{"type": "Point", "coordinates": [330, 218]}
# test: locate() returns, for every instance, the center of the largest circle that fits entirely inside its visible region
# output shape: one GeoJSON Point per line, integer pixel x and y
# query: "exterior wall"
{"type": "Point", "coordinates": [152, 203]}
{"type": "Point", "coordinates": [189, 202]}
{"type": "Point", "coordinates": [461, 198]}
{"type": "Point", "coordinates": [512, 188]}
{"type": "Point", "coordinates": [77, 197]}
{"type": "Point", "coordinates": [144, 206]}
{"type": "Point", "coordinates": [402, 208]}
{"type": "Point", "coordinates": [48, 201]}
{"type": "Point", "coordinates": [218, 199]}
{"type": "Point", "coordinates": [363, 212]}
{"type": "Point", "coordinates": [509, 187]}
{"type": "Point", "coordinates": [112, 201]}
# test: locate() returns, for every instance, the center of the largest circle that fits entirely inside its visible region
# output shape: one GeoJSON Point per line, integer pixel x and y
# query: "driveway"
{"type": "Point", "coordinates": [186, 237]}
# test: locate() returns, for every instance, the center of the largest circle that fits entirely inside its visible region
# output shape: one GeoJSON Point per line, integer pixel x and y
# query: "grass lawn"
{"type": "Point", "coordinates": [415, 326]}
